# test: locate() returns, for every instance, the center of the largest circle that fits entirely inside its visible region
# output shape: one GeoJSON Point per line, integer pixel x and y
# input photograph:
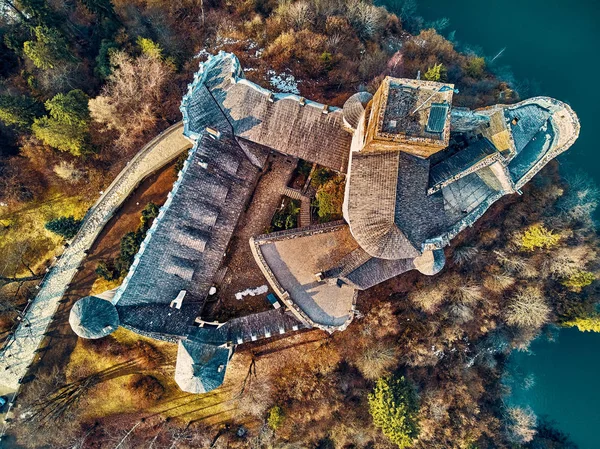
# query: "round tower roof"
{"type": "Point", "coordinates": [93, 317]}
{"type": "Point", "coordinates": [354, 107]}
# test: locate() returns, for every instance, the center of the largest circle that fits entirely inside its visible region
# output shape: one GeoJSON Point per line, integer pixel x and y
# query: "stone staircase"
{"type": "Point", "coordinates": [304, 219]}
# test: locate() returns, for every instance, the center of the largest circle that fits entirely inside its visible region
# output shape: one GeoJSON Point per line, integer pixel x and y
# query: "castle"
{"type": "Point", "coordinates": [417, 170]}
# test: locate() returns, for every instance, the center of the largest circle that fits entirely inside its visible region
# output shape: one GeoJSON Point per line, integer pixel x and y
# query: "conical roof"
{"type": "Point", "coordinates": [354, 107]}
{"type": "Point", "coordinates": [93, 317]}
{"type": "Point", "coordinates": [200, 367]}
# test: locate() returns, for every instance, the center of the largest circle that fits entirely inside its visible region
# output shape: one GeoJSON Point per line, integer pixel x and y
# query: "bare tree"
{"type": "Point", "coordinates": [528, 309]}
{"type": "Point", "coordinates": [520, 424]}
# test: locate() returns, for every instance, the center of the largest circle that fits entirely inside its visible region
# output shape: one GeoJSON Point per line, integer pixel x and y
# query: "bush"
{"type": "Point", "coordinates": [66, 227]}
{"type": "Point", "coordinates": [107, 270]}
{"type": "Point", "coordinates": [435, 73]}
{"type": "Point", "coordinates": [329, 199]}
{"type": "Point", "coordinates": [376, 360]}
{"type": "Point", "coordinates": [475, 67]}
{"type": "Point", "coordinates": [393, 407]}
{"type": "Point", "coordinates": [147, 388]}
{"type": "Point", "coordinates": [537, 236]}
{"type": "Point", "coordinates": [276, 417]}
{"type": "Point", "coordinates": [149, 213]}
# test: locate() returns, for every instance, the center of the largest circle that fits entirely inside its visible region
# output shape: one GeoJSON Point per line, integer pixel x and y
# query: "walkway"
{"type": "Point", "coordinates": [19, 353]}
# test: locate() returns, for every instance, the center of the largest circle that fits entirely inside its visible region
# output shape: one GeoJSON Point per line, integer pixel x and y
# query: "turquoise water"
{"type": "Point", "coordinates": [552, 44]}
{"type": "Point", "coordinates": [559, 380]}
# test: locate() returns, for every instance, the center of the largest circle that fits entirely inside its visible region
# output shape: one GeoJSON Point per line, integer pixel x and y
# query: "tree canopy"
{"type": "Point", "coordinates": [18, 110]}
{"type": "Point", "coordinates": [393, 406]}
{"type": "Point", "coordinates": [589, 323]}
{"type": "Point", "coordinates": [67, 125]}
{"type": "Point", "coordinates": [48, 48]}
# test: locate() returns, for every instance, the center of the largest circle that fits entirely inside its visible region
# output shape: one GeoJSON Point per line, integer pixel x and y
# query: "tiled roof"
{"type": "Point", "coordinates": [452, 166]}
{"type": "Point", "coordinates": [285, 123]}
{"type": "Point", "coordinates": [185, 247]}
{"type": "Point", "coordinates": [529, 119]}
{"type": "Point", "coordinates": [92, 317]}
{"type": "Point", "coordinates": [389, 211]}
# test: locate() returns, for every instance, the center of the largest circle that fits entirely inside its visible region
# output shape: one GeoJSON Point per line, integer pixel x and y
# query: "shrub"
{"type": "Point", "coordinates": [578, 280]}
{"type": "Point", "coordinates": [465, 254]}
{"type": "Point", "coordinates": [376, 360]}
{"type": "Point", "coordinates": [106, 270]}
{"type": "Point", "coordinates": [498, 282]}
{"type": "Point", "coordinates": [147, 388]}
{"type": "Point", "coordinates": [149, 213]}
{"type": "Point", "coordinates": [537, 236]}
{"type": "Point", "coordinates": [276, 417]}
{"type": "Point", "coordinates": [475, 67]}
{"type": "Point", "coordinates": [393, 406]}
{"type": "Point", "coordinates": [66, 227]}
{"type": "Point", "coordinates": [329, 199]}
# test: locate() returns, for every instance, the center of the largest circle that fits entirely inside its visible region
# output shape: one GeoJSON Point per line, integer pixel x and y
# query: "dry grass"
{"type": "Point", "coordinates": [23, 228]}
{"type": "Point", "coordinates": [115, 395]}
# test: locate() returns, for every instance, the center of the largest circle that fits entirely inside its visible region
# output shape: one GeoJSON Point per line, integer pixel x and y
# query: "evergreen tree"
{"type": "Point", "coordinates": [102, 8]}
{"type": "Point", "coordinates": [148, 213]}
{"type": "Point", "coordinates": [67, 125]}
{"type": "Point", "coordinates": [103, 67]}
{"type": "Point", "coordinates": [149, 48]}
{"type": "Point", "coordinates": [66, 227]}
{"type": "Point", "coordinates": [18, 111]}
{"type": "Point", "coordinates": [48, 48]}
{"type": "Point", "coordinates": [589, 323]}
{"type": "Point", "coordinates": [393, 407]}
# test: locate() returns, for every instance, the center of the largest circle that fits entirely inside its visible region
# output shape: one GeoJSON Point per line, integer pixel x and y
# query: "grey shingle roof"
{"type": "Point", "coordinates": [530, 118]}
{"type": "Point", "coordinates": [452, 166]}
{"type": "Point", "coordinates": [185, 246]}
{"type": "Point", "coordinates": [200, 367]}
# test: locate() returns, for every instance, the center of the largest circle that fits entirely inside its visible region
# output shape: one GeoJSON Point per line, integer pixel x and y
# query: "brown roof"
{"type": "Point", "coordinates": [389, 211]}
{"type": "Point", "coordinates": [285, 123]}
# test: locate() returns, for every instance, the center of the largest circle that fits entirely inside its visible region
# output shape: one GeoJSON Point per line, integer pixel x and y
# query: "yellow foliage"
{"type": "Point", "coordinates": [585, 324]}
{"type": "Point", "coordinates": [576, 281]}
{"type": "Point", "coordinates": [537, 236]}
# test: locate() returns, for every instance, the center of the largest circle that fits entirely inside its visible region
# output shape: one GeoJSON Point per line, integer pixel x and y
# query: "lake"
{"type": "Point", "coordinates": [553, 45]}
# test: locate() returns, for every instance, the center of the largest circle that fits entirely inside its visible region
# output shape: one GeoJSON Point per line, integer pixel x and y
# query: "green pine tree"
{"type": "Point", "coordinates": [67, 125]}
{"type": "Point", "coordinates": [48, 48]}
{"type": "Point", "coordinates": [393, 407]}
{"type": "Point", "coordinates": [18, 111]}
{"type": "Point", "coordinates": [66, 227]}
